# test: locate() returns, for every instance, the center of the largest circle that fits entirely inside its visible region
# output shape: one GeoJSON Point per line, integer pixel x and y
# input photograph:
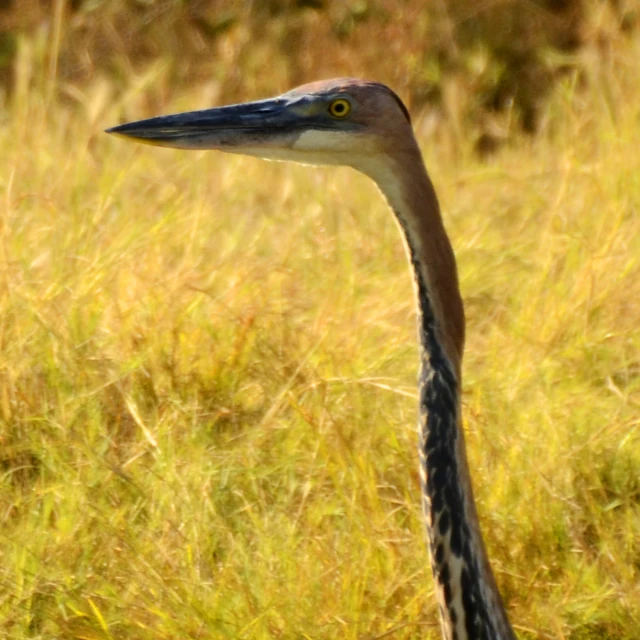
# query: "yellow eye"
{"type": "Point", "coordinates": [340, 108]}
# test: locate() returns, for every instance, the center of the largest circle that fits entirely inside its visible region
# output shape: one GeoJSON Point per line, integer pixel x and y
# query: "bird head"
{"type": "Point", "coordinates": [334, 122]}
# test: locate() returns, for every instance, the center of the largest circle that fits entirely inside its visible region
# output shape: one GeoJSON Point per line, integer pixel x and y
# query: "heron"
{"type": "Point", "coordinates": [366, 126]}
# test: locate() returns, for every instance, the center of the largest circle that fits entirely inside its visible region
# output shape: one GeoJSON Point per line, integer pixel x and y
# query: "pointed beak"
{"type": "Point", "coordinates": [274, 123]}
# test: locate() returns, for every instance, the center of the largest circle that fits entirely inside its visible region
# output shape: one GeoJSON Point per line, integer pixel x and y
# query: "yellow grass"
{"type": "Point", "coordinates": [207, 374]}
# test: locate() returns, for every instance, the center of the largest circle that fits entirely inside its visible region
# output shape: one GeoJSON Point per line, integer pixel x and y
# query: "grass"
{"type": "Point", "coordinates": [207, 373]}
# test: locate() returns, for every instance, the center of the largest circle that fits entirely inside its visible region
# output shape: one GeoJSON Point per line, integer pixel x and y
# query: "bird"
{"type": "Point", "coordinates": [365, 125]}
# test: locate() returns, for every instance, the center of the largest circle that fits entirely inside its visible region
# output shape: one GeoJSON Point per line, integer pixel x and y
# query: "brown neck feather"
{"type": "Point", "coordinates": [470, 604]}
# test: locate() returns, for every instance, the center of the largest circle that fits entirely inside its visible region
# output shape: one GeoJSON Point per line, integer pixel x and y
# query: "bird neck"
{"type": "Point", "coordinates": [470, 604]}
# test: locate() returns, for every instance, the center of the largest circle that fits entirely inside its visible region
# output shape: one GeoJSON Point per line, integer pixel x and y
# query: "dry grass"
{"type": "Point", "coordinates": [207, 375]}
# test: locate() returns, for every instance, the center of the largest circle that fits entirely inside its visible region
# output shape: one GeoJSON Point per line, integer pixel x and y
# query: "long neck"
{"type": "Point", "coordinates": [470, 604]}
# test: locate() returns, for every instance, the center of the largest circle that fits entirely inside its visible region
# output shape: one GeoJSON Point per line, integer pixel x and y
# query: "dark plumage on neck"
{"type": "Point", "coordinates": [470, 604]}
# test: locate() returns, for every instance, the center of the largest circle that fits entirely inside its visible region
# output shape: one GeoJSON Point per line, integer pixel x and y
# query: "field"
{"type": "Point", "coordinates": [207, 380]}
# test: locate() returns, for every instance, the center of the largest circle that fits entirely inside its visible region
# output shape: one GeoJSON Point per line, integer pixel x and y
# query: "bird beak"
{"type": "Point", "coordinates": [251, 128]}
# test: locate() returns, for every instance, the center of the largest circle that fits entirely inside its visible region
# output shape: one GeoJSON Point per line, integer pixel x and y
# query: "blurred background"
{"type": "Point", "coordinates": [490, 66]}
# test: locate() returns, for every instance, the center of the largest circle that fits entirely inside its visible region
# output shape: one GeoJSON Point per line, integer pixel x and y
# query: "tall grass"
{"type": "Point", "coordinates": [207, 374]}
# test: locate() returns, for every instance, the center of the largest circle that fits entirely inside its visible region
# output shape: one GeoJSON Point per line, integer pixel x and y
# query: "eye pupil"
{"type": "Point", "coordinates": [340, 108]}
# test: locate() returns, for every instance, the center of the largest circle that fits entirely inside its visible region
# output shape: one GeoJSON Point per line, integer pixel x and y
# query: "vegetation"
{"type": "Point", "coordinates": [207, 373]}
{"type": "Point", "coordinates": [487, 69]}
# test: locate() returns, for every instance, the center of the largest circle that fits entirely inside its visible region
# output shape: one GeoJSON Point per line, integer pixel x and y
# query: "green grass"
{"type": "Point", "coordinates": [207, 372]}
